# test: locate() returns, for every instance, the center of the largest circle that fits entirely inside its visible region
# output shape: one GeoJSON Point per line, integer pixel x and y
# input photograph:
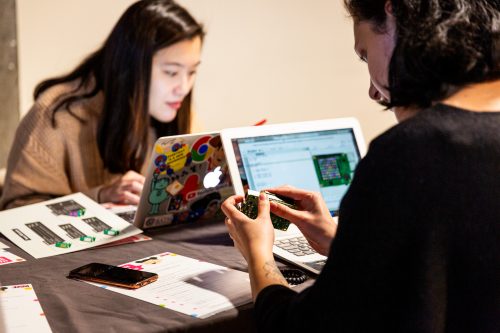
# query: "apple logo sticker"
{"type": "Point", "coordinates": [212, 179]}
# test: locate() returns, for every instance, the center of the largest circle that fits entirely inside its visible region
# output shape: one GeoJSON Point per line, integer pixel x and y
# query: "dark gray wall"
{"type": "Point", "coordinates": [9, 87]}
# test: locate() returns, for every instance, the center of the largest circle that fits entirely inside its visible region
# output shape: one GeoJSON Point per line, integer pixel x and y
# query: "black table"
{"type": "Point", "coordinates": [73, 306]}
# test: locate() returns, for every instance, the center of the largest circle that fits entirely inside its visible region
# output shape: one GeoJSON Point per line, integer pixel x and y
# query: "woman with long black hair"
{"type": "Point", "coordinates": [91, 130]}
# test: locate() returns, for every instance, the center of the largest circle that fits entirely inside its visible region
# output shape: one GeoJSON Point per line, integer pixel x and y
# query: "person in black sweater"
{"type": "Point", "coordinates": [417, 247]}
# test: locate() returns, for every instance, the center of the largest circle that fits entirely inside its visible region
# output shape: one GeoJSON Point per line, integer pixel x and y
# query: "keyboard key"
{"type": "Point", "coordinates": [297, 246]}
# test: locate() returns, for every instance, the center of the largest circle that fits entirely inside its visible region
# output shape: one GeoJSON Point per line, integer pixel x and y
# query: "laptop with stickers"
{"type": "Point", "coordinates": [186, 182]}
{"type": "Point", "coordinates": [316, 155]}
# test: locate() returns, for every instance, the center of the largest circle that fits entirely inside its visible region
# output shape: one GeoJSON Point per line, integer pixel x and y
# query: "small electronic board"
{"type": "Point", "coordinates": [250, 208]}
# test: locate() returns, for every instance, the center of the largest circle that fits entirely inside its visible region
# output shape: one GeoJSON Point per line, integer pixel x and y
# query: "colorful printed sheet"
{"type": "Point", "coordinates": [20, 310]}
{"type": "Point", "coordinates": [193, 287]}
{"type": "Point", "coordinates": [9, 258]}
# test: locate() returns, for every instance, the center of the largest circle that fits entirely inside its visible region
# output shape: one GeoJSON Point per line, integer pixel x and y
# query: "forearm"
{"type": "Point", "coordinates": [264, 272]}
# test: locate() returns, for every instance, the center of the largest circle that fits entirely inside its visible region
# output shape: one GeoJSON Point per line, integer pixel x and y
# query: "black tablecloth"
{"type": "Point", "coordinates": [73, 306]}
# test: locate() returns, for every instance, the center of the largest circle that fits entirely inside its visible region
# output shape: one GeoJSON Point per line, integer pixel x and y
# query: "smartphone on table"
{"type": "Point", "coordinates": [113, 275]}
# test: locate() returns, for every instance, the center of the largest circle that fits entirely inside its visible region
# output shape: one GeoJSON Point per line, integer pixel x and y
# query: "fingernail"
{"type": "Point", "coordinates": [263, 195]}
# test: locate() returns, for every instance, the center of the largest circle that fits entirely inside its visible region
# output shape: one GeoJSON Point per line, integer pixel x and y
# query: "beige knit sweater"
{"type": "Point", "coordinates": [47, 162]}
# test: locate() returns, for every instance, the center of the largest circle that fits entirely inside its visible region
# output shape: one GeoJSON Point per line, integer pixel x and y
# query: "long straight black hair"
{"type": "Point", "coordinates": [121, 70]}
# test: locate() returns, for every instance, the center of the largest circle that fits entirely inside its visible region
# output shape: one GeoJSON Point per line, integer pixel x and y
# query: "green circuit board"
{"type": "Point", "coordinates": [250, 208]}
{"type": "Point", "coordinates": [333, 169]}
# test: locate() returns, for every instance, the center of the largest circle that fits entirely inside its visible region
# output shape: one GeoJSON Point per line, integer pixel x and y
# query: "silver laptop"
{"type": "Point", "coordinates": [187, 181]}
{"type": "Point", "coordinates": [316, 155]}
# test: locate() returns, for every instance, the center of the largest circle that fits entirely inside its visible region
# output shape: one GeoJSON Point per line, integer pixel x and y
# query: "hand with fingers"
{"type": "Point", "coordinates": [253, 238]}
{"type": "Point", "coordinates": [125, 190]}
{"type": "Point", "coordinates": [312, 216]}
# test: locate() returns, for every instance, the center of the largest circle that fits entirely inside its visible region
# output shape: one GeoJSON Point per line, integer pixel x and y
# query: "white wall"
{"type": "Point", "coordinates": [283, 60]}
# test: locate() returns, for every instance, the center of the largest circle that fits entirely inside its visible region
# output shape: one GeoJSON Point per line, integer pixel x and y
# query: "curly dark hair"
{"type": "Point", "coordinates": [441, 46]}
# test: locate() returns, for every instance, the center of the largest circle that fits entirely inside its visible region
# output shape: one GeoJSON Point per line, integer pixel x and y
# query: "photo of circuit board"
{"type": "Point", "coordinates": [250, 208]}
{"type": "Point", "coordinates": [333, 169]}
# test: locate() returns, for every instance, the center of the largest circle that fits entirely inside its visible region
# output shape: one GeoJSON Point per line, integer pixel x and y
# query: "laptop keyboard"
{"type": "Point", "coordinates": [297, 246]}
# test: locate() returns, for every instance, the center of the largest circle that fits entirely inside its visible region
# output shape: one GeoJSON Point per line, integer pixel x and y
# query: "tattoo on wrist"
{"type": "Point", "coordinates": [273, 272]}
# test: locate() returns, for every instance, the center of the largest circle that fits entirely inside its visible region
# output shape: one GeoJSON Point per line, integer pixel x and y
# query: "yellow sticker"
{"type": "Point", "coordinates": [177, 159]}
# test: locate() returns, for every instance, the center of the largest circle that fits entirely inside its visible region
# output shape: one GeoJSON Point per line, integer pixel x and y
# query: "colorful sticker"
{"type": "Point", "coordinates": [175, 203]}
{"type": "Point", "coordinates": [158, 194]}
{"type": "Point", "coordinates": [218, 158]}
{"type": "Point", "coordinates": [206, 206]}
{"type": "Point", "coordinates": [172, 157]}
{"type": "Point", "coordinates": [178, 157]}
{"type": "Point", "coordinates": [201, 149]}
{"type": "Point", "coordinates": [190, 186]}
{"type": "Point", "coordinates": [174, 187]}
{"type": "Point", "coordinates": [156, 221]}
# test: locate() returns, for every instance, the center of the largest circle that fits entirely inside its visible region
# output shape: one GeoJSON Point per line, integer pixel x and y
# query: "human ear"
{"type": "Point", "coordinates": [390, 20]}
{"type": "Point", "coordinates": [388, 8]}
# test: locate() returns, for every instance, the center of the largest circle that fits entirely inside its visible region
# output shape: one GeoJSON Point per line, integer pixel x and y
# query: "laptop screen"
{"type": "Point", "coordinates": [321, 161]}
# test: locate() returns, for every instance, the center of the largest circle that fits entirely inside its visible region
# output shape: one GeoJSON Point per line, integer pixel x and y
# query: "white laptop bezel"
{"type": "Point", "coordinates": [229, 134]}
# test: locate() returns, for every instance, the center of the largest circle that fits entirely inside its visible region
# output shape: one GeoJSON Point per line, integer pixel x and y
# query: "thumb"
{"type": "Point", "coordinates": [263, 205]}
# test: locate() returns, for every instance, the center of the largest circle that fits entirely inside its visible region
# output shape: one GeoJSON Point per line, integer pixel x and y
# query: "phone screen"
{"type": "Point", "coordinates": [113, 275]}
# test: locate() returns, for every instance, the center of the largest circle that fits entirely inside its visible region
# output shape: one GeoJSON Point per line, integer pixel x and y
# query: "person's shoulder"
{"type": "Point", "coordinates": [50, 97]}
{"type": "Point", "coordinates": [452, 129]}
{"type": "Point", "coordinates": [47, 115]}
{"type": "Point", "coordinates": [45, 104]}
{"type": "Point", "coordinates": [439, 124]}
{"type": "Point", "coordinates": [437, 134]}
{"type": "Point", "coordinates": [50, 105]}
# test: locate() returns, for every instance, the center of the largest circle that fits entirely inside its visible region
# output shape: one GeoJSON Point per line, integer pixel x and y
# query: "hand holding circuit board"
{"type": "Point", "coordinates": [250, 208]}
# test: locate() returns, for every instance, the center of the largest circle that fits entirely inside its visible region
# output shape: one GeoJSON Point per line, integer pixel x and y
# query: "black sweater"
{"type": "Point", "coordinates": [418, 243]}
